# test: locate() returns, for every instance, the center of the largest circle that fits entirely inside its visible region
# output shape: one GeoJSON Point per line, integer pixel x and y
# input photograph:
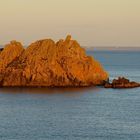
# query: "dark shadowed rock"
{"type": "Point", "coordinates": [1, 49]}
{"type": "Point", "coordinates": [122, 82]}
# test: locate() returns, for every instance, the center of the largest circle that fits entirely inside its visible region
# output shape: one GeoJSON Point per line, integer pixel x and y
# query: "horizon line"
{"type": "Point", "coordinates": [99, 47]}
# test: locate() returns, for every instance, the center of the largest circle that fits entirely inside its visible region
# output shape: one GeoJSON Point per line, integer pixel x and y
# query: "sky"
{"type": "Point", "coordinates": [90, 22]}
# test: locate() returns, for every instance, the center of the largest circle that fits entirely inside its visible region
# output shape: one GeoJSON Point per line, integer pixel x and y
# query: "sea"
{"type": "Point", "coordinates": [92, 113]}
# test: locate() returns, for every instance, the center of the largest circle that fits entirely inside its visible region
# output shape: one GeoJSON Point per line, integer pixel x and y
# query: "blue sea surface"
{"type": "Point", "coordinates": [91, 113]}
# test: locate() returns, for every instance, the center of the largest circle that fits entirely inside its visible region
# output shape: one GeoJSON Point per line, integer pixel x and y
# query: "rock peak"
{"type": "Point", "coordinates": [14, 42]}
{"type": "Point", "coordinates": [68, 38]}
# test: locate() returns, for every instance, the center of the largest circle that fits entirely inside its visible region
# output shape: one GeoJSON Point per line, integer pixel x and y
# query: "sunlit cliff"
{"type": "Point", "coordinates": [50, 64]}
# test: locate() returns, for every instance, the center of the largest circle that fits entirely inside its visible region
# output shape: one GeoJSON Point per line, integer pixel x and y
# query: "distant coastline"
{"type": "Point", "coordinates": [113, 48]}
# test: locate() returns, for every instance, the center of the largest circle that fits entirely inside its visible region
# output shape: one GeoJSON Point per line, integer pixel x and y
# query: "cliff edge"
{"type": "Point", "coordinates": [50, 64]}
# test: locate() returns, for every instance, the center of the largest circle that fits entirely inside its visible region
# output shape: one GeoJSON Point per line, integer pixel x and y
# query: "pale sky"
{"type": "Point", "coordinates": [91, 22]}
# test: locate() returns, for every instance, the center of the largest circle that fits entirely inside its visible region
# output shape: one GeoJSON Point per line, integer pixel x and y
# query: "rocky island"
{"type": "Point", "coordinates": [121, 82]}
{"type": "Point", "coordinates": [49, 64]}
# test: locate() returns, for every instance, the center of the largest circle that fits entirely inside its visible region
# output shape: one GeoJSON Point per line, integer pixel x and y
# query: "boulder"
{"type": "Point", "coordinates": [49, 64]}
{"type": "Point", "coordinates": [121, 82]}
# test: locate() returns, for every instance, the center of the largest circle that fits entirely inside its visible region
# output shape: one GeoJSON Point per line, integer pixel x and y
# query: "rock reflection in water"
{"type": "Point", "coordinates": [43, 90]}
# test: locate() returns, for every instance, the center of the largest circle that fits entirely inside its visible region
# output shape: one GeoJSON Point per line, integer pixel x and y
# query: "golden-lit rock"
{"type": "Point", "coordinates": [46, 63]}
{"type": "Point", "coordinates": [11, 52]}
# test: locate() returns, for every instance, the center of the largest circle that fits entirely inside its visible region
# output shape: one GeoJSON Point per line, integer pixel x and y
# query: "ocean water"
{"type": "Point", "coordinates": [91, 113]}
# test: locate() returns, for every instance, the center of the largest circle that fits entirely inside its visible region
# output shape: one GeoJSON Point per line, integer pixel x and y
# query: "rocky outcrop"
{"type": "Point", "coordinates": [122, 82]}
{"type": "Point", "coordinates": [10, 53]}
{"type": "Point", "coordinates": [46, 63]}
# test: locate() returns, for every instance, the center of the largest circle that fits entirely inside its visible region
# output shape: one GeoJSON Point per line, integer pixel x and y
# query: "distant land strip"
{"type": "Point", "coordinates": [113, 48]}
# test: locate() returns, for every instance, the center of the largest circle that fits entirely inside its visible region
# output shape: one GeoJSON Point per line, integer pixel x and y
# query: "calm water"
{"type": "Point", "coordinates": [76, 114]}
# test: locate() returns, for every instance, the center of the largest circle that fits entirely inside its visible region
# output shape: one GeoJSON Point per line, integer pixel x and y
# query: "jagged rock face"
{"type": "Point", "coordinates": [46, 63]}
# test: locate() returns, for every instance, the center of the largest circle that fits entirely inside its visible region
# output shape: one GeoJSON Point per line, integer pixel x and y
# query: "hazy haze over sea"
{"type": "Point", "coordinates": [90, 22]}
